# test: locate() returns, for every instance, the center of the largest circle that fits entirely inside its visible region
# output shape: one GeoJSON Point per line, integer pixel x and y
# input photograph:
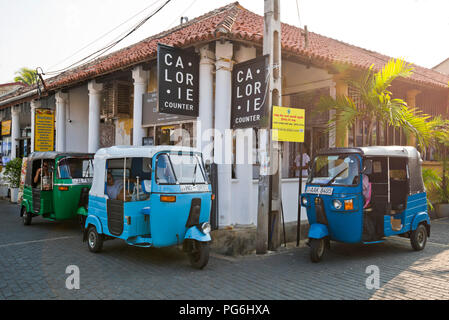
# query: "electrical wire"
{"type": "Point", "coordinates": [100, 52]}
{"type": "Point", "coordinates": [182, 14]}
{"type": "Point", "coordinates": [297, 10]}
{"type": "Point", "coordinates": [105, 34]}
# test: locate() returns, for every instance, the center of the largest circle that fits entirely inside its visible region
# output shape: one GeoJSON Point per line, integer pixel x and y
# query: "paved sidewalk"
{"type": "Point", "coordinates": [33, 262]}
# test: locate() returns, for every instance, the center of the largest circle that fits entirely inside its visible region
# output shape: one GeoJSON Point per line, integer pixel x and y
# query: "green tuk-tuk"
{"type": "Point", "coordinates": [55, 185]}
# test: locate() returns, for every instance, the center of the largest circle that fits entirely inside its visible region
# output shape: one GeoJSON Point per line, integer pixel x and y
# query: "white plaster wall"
{"type": "Point", "coordinates": [290, 188]}
{"type": "Point", "coordinates": [78, 112]}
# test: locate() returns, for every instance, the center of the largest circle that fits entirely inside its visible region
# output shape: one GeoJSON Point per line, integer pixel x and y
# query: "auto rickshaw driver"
{"type": "Point", "coordinates": [45, 173]}
{"type": "Point", "coordinates": [114, 188]}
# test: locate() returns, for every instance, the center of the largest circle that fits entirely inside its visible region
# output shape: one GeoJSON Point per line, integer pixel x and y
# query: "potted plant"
{"type": "Point", "coordinates": [12, 175]}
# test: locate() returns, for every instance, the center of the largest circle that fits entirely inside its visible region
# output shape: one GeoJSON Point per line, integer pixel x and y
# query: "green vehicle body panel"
{"type": "Point", "coordinates": [56, 204]}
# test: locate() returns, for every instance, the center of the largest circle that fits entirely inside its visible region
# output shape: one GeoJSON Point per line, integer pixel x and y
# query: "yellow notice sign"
{"type": "Point", "coordinates": [44, 130]}
{"type": "Point", "coordinates": [288, 124]}
{"type": "Point", "coordinates": [6, 128]}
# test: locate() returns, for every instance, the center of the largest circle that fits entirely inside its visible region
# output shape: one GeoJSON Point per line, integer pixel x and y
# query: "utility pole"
{"type": "Point", "coordinates": [269, 204]}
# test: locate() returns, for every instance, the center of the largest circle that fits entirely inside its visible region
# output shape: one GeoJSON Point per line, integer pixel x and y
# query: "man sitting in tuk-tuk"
{"type": "Point", "coordinates": [45, 172]}
{"type": "Point", "coordinates": [114, 188]}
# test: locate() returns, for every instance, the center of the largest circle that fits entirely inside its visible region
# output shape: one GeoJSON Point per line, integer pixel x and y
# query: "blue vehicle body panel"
{"type": "Point", "coordinates": [340, 221]}
{"type": "Point", "coordinates": [93, 220]}
{"type": "Point", "coordinates": [415, 212]}
{"type": "Point", "coordinates": [195, 234]}
{"type": "Point", "coordinates": [318, 231]}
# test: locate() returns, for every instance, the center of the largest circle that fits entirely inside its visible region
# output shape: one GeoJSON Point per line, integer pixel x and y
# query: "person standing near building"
{"type": "Point", "coordinates": [305, 163]}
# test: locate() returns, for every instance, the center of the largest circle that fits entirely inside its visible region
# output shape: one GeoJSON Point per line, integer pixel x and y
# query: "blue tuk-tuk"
{"type": "Point", "coordinates": [150, 197]}
{"type": "Point", "coordinates": [362, 195]}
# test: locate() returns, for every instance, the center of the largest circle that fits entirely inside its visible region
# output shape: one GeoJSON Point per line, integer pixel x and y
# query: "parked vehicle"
{"type": "Point", "coordinates": [150, 197]}
{"type": "Point", "coordinates": [363, 195]}
{"type": "Point", "coordinates": [54, 185]}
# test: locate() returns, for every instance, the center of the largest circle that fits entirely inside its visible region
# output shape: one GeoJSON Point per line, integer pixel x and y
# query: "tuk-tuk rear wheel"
{"type": "Point", "coordinates": [317, 249]}
{"type": "Point", "coordinates": [199, 256]}
{"type": "Point", "coordinates": [26, 217]}
{"type": "Point", "coordinates": [94, 240]}
{"type": "Point", "coordinates": [418, 237]}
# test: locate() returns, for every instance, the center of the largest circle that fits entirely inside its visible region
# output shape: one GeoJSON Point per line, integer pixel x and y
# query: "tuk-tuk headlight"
{"type": "Point", "coordinates": [206, 227]}
{"type": "Point", "coordinates": [337, 204]}
{"type": "Point", "coordinates": [304, 201]}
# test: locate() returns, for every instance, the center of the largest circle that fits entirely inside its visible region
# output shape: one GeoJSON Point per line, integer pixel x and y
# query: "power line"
{"type": "Point", "coordinates": [182, 14]}
{"type": "Point", "coordinates": [105, 34]}
{"type": "Point", "coordinates": [297, 10]}
{"type": "Point", "coordinates": [103, 50]}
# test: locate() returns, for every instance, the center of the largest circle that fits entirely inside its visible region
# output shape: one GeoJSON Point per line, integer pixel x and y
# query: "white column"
{"type": "Point", "coordinates": [61, 106]}
{"type": "Point", "coordinates": [141, 78]}
{"type": "Point", "coordinates": [206, 102]}
{"type": "Point", "coordinates": [223, 92]}
{"type": "Point", "coordinates": [244, 172]}
{"type": "Point", "coordinates": [94, 89]}
{"type": "Point", "coordinates": [15, 130]}
{"type": "Point", "coordinates": [35, 104]}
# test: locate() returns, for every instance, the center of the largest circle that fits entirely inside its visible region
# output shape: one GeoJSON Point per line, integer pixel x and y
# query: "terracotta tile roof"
{"type": "Point", "coordinates": [235, 22]}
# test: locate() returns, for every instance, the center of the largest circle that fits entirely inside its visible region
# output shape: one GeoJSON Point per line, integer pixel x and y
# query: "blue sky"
{"type": "Point", "coordinates": [44, 32]}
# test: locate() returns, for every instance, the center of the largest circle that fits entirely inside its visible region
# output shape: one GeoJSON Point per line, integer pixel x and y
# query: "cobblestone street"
{"type": "Point", "coordinates": [33, 262]}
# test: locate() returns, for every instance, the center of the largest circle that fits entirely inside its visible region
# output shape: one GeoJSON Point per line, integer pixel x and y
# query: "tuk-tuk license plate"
{"type": "Point", "coordinates": [82, 181]}
{"type": "Point", "coordinates": [194, 188]}
{"type": "Point", "coordinates": [320, 190]}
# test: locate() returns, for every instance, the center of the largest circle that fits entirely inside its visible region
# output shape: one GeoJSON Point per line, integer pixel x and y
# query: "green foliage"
{"type": "Point", "coordinates": [12, 173]}
{"type": "Point", "coordinates": [432, 181]}
{"type": "Point", "coordinates": [26, 75]}
{"type": "Point", "coordinates": [378, 104]}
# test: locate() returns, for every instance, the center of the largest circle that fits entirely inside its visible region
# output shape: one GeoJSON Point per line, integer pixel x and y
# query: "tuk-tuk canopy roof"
{"type": "Point", "coordinates": [51, 155]}
{"type": "Point", "coordinates": [137, 152]}
{"type": "Point", "coordinates": [410, 153]}
{"type": "Point", "coordinates": [376, 151]}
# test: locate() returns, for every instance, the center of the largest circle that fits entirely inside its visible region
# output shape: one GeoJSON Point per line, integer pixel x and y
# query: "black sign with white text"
{"type": "Point", "coordinates": [249, 90]}
{"type": "Point", "coordinates": [178, 81]}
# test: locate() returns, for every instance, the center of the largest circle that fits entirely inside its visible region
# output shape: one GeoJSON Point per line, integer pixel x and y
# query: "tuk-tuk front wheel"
{"type": "Point", "coordinates": [199, 255]}
{"type": "Point", "coordinates": [26, 217]}
{"type": "Point", "coordinates": [418, 238]}
{"type": "Point", "coordinates": [317, 249]}
{"type": "Point", "coordinates": [94, 240]}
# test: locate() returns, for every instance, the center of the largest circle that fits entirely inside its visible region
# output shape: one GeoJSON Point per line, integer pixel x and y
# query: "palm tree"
{"type": "Point", "coordinates": [26, 75]}
{"type": "Point", "coordinates": [377, 104]}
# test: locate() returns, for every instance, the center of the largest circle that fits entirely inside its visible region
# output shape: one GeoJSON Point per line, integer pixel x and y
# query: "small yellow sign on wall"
{"type": "Point", "coordinates": [288, 124]}
{"type": "Point", "coordinates": [6, 128]}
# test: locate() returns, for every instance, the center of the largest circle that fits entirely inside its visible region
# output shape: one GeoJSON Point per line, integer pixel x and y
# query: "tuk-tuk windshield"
{"type": "Point", "coordinates": [335, 170]}
{"type": "Point", "coordinates": [187, 169]}
{"type": "Point", "coordinates": [75, 168]}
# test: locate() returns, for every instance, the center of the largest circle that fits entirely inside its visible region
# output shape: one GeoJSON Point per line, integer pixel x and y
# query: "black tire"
{"type": "Point", "coordinates": [418, 238]}
{"type": "Point", "coordinates": [94, 240]}
{"type": "Point", "coordinates": [26, 217]}
{"type": "Point", "coordinates": [199, 256]}
{"type": "Point", "coordinates": [317, 249]}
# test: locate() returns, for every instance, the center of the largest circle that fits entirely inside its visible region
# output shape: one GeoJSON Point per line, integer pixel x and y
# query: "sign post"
{"type": "Point", "coordinates": [269, 195]}
{"type": "Point", "coordinates": [289, 125]}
